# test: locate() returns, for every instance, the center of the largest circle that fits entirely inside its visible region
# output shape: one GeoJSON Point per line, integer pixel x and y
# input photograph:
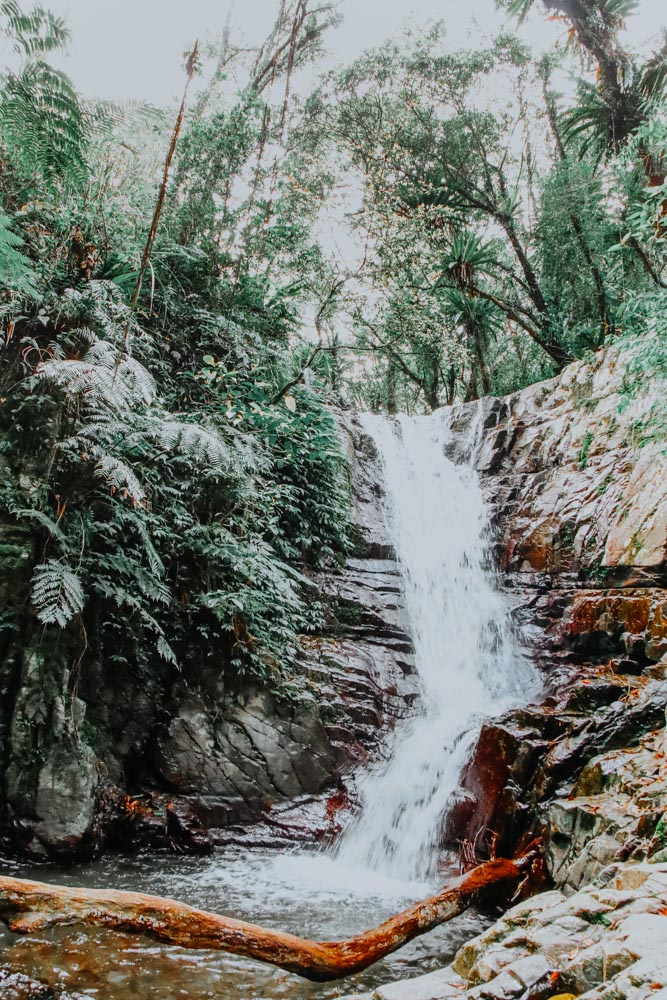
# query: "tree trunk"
{"type": "Point", "coordinates": [33, 906]}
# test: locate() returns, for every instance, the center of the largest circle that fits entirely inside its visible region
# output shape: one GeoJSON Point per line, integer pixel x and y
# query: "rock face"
{"type": "Point", "coordinates": [606, 942]}
{"type": "Point", "coordinates": [580, 519]}
{"type": "Point", "coordinates": [580, 522]}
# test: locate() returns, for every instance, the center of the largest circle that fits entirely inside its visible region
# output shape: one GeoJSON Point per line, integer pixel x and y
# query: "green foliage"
{"type": "Point", "coordinates": [42, 124]}
{"type": "Point", "coordinates": [57, 593]}
{"type": "Point", "coordinates": [16, 270]}
{"type": "Point", "coordinates": [585, 448]}
{"type": "Point", "coordinates": [172, 471]}
{"type": "Point", "coordinates": [167, 515]}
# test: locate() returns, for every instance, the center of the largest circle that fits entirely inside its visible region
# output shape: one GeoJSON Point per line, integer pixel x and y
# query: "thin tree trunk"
{"type": "Point", "coordinates": [392, 402]}
{"type": "Point", "coordinates": [32, 906]}
{"type": "Point", "coordinates": [191, 67]}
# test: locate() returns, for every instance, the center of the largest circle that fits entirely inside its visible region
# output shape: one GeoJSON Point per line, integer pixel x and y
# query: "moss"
{"type": "Point", "coordinates": [347, 613]}
{"type": "Point", "coordinates": [585, 448]}
{"type": "Point", "coordinates": [605, 484]}
{"type": "Point", "coordinates": [358, 544]}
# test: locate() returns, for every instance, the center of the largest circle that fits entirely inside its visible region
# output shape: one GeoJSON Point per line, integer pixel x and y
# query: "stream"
{"type": "Point", "coordinates": [470, 667]}
{"type": "Point", "coordinates": [306, 893]}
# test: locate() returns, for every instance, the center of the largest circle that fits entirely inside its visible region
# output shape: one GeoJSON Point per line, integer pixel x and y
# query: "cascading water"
{"type": "Point", "coordinates": [467, 661]}
{"type": "Point", "coordinates": [469, 669]}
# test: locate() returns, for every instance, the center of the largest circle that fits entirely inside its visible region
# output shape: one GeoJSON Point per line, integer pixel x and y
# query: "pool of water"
{"type": "Point", "coordinates": [309, 894]}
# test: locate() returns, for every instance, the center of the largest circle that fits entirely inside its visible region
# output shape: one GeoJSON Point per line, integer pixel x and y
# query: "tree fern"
{"type": "Point", "coordinates": [43, 124]}
{"type": "Point", "coordinates": [57, 593]}
{"type": "Point", "coordinates": [95, 379]}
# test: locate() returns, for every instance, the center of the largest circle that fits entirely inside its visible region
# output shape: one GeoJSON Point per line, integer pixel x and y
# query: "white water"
{"type": "Point", "coordinates": [469, 669]}
{"type": "Point", "coordinates": [466, 657]}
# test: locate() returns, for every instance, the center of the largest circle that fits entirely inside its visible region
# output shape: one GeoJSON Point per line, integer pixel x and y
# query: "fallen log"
{"type": "Point", "coordinates": [31, 906]}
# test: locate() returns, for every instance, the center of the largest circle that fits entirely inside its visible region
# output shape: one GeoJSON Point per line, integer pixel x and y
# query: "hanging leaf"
{"type": "Point", "coordinates": [57, 593]}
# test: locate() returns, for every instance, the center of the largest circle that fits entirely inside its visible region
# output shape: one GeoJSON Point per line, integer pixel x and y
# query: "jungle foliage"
{"type": "Point", "coordinates": [171, 470]}
{"type": "Point", "coordinates": [165, 487]}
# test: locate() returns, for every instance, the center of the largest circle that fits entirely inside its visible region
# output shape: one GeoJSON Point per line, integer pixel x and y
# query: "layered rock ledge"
{"type": "Point", "coordinates": [578, 492]}
{"type": "Point", "coordinates": [608, 941]}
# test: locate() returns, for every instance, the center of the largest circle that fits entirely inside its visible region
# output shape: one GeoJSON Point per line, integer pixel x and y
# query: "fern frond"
{"type": "Point", "coordinates": [164, 651]}
{"type": "Point", "coordinates": [16, 270]}
{"type": "Point", "coordinates": [107, 115]}
{"type": "Point", "coordinates": [34, 31]}
{"type": "Point", "coordinates": [96, 380]}
{"type": "Point", "coordinates": [194, 441]}
{"type": "Point", "coordinates": [154, 561]}
{"type": "Point", "coordinates": [57, 593]}
{"type": "Point", "coordinates": [118, 476]}
{"type": "Point", "coordinates": [43, 519]}
{"type": "Point", "coordinates": [44, 125]}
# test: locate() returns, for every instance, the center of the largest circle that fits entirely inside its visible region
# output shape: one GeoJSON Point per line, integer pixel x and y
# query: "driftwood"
{"type": "Point", "coordinates": [32, 906]}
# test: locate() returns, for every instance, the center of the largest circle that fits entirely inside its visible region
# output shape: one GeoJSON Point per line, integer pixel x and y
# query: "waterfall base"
{"type": "Point", "coordinates": [33, 906]}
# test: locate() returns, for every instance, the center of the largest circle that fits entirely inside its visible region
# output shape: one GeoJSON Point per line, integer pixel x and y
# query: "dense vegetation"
{"type": "Point", "coordinates": [170, 465]}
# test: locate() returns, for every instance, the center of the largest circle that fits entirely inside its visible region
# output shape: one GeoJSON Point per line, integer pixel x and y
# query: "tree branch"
{"type": "Point", "coordinates": [32, 906]}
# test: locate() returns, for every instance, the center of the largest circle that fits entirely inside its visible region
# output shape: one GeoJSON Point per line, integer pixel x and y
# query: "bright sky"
{"type": "Point", "coordinates": [129, 49]}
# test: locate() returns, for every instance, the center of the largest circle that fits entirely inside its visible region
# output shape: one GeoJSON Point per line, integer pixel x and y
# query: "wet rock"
{"type": "Point", "coordinates": [489, 814]}
{"type": "Point", "coordinates": [240, 755]}
{"type": "Point", "coordinates": [16, 986]}
{"type": "Point", "coordinates": [259, 750]}
{"type": "Point", "coordinates": [609, 940]}
{"type": "Point", "coordinates": [613, 812]}
{"type": "Point", "coordinates": [580, 520]}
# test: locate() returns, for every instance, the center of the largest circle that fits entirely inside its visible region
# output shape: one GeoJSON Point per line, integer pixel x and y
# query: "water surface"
{"type": "Point", "coordinates": [305, 893]}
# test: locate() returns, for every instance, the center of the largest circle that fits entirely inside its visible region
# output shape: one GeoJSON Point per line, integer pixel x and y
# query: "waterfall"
{"type": "Point", "coordinates": [468, 664]}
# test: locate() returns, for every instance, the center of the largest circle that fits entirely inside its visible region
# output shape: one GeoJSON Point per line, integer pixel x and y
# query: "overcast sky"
{"type": "Point", "coordinates": [125, 49]}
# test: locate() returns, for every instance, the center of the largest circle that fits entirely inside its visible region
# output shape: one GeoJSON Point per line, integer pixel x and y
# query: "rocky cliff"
{"type": "Point", "coordinates": [580, 516]}
{"type": "Point", "coordinates": [578, 489]}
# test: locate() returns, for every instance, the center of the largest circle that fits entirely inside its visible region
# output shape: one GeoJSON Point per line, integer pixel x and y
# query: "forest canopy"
{"type": "Point", "coordinates": [178, 329]}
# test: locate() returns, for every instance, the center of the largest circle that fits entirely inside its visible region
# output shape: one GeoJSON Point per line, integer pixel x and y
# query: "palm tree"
{"type": "Point", "coordinates": [611, 110]}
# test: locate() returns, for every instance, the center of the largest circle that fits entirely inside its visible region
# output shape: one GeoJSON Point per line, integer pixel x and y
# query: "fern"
{"type": "Point", "coordinates": [16, 270]}
{"type": "Point", "coordinates": [97, 380]}
{"type": "Point", "coordinates": [118, 476]}
{"type": "Point", "coordinates": [57, 593]}
{"type": "Point", "coordinates": [35, 31]}
{"type": "Point", "coordinates": [44, 125]}
{"type": "Point", "coordinates": [195, 442]}
{"type": "Point", "coordinates": [43, 519]}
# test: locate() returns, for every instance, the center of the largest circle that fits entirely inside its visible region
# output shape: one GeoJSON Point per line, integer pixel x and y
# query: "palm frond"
{"type": "Point", "coordinates": [653, 78]}
{"type": "Point", "coordinates": [519, 9]}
